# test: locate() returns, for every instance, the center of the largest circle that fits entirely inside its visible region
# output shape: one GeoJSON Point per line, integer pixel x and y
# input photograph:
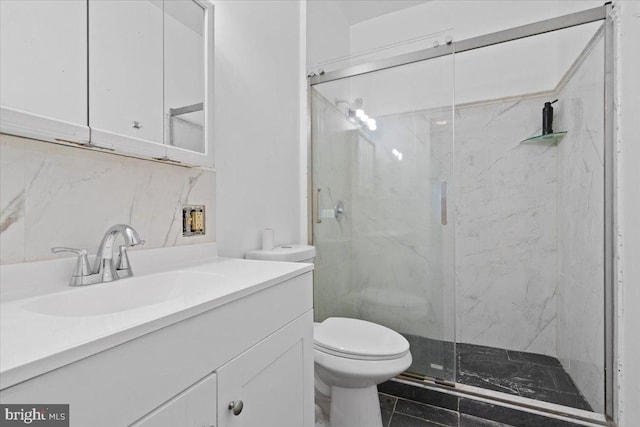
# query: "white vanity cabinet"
{"type": "Point", "coordinates": [263, 385]}
{"type": "Point", "coordinates": [257, 349]}
{"type": "Point", "coordinates": [194, 407]}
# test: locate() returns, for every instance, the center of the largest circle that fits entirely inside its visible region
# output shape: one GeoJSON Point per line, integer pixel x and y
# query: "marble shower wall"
{"type": "Point", "coordinates": [505, 241]}
{"type": "Point", "coordinates": [333, 141]}
{"type": "Point", "coordinates": [54, 195]}
{"type": "Point", "coordinates": [580, 227]}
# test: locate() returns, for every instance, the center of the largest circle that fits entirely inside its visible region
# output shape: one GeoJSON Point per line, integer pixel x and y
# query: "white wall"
{"type": "Point", "coordinates": [327, 35]}
{"type": "Point", "coordinates": [257, 123]}
{"type": "Point", "coordinates": [628, 109]}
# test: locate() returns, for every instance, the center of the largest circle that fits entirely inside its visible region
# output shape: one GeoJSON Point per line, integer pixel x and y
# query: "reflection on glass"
{"type": "Point", "coordinates": [186, 130]}
{"type": "Point", "coordinates": [184, 58]}
{"type": "Point", "coordinates": [391, 260]}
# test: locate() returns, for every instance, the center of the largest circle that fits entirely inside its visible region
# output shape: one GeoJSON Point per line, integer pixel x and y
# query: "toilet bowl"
{"type": "Point", "coordinates": [351, 357]}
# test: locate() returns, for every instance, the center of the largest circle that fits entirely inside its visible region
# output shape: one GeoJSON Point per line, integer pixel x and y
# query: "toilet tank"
{"type": "Point", "coordinates": [290, 253]}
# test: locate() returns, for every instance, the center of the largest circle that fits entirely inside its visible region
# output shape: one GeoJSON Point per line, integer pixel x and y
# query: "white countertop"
{"type": "Point", "coordinates": [33, 343]}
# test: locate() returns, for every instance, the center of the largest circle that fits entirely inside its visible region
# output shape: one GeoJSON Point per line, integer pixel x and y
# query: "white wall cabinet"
{"type": "Point", "coordinates": [258, 349]}
{"type": "Point", "coordinates": [128, 77]}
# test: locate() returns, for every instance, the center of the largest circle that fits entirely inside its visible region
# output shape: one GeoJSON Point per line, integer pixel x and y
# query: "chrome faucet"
{"type": "Point", "coordinates": [104, 269]}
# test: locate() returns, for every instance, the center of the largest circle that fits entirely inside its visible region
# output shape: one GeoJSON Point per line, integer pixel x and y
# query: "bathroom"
{"type": "Point", "coordinates": [260, 108]}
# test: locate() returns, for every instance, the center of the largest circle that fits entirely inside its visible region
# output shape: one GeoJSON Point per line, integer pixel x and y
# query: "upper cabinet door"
{"type": "Point", "coordinates": [188, 81]}
{"type": "Point", "coordinates": [43, 58]}
{"type": "Point", "coordinates": [126, 68]}
{"type": "Point", "coordinates": [184, 67]}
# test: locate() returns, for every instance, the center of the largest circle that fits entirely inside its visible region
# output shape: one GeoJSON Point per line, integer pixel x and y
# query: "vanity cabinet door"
{"type": "Point", "coordinates": [43, 58]}
{"type": "Point", "coordinates": [194, 407]}
{"type": "Point", "coordinates": [272, 382]}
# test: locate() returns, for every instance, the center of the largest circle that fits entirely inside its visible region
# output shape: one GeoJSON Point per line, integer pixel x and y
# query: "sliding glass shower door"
{"type": "Point", "coordinates": [512, 301]}
{"type": "Point", "coordinates": [382, 149]}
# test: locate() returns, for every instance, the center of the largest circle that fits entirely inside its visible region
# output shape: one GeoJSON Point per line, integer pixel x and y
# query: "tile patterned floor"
{"type": "Point", "coordinates": [405, 405]}
{"type": "Point", "coordinates": [529, 375]}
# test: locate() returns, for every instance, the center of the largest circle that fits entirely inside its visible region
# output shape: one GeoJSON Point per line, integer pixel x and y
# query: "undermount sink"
{"type": "Point", "coordinates": [124, 295]}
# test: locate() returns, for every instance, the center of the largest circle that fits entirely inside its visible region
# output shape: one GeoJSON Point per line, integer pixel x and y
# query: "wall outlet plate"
{"type": "Point", "coordinates": [193, 220]}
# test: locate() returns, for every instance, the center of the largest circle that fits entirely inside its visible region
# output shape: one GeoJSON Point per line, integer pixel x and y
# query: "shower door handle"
{"type": "Point", "coordinates": [443, 203]}
{"type": "Point", "coordinates": [315, 206]}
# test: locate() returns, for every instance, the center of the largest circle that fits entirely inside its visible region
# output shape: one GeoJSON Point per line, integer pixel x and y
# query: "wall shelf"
{"type": "Point", "coordinates": [550, 138]}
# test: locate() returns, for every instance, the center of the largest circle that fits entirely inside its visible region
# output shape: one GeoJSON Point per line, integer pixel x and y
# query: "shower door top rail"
{"type": "Point", "coordinates": [515, 33]}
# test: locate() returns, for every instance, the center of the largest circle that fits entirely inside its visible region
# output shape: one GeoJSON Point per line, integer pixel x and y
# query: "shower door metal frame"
{"type": "Point", "coordinates": [511, 34]}
{"type": "Point", "coordinates": [602, 13]}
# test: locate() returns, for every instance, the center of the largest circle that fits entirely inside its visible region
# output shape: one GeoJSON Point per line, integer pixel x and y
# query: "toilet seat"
{"type": "Point", "coordinates": [359, 339]}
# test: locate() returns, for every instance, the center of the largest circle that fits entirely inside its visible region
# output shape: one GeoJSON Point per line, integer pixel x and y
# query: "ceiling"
{"type": "Point", "coordinates": [361, 10]}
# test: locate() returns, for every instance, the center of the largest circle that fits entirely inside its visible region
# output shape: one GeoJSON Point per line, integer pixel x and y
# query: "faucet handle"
{"type": "Point", "coordinates": [82, 265]}
{"type": "Point", "coordinates": [64, 249]}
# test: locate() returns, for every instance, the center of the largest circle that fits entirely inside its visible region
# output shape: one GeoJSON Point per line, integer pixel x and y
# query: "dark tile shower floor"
{"type": "Point", "coordinates": [403, 405]}
{"type": "Point", "coordinates": [531, 375]}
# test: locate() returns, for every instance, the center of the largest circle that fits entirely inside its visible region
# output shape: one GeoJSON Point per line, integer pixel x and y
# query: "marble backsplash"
{"type": "Point", "coordinates": [55, 195]}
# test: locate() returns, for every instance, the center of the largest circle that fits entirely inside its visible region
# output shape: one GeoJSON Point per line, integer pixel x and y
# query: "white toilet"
{"type": "Point", "coordinates": [351, 357]}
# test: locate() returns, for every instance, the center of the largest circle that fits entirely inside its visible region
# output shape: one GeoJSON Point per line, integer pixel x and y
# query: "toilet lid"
{"type": "Point", "coordinates": [359, 339]}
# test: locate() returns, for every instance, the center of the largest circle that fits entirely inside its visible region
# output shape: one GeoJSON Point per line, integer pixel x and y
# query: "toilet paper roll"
{"type": "Point", "coordinates": [267, 239]}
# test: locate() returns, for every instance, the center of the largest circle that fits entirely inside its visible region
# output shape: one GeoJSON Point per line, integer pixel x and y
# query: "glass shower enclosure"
{"type": "Point", "coordinates": [440, 209]}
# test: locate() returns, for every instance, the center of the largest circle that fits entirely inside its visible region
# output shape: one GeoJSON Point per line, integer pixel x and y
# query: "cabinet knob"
{"type": "Point", "coordinates": [236, 407]}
